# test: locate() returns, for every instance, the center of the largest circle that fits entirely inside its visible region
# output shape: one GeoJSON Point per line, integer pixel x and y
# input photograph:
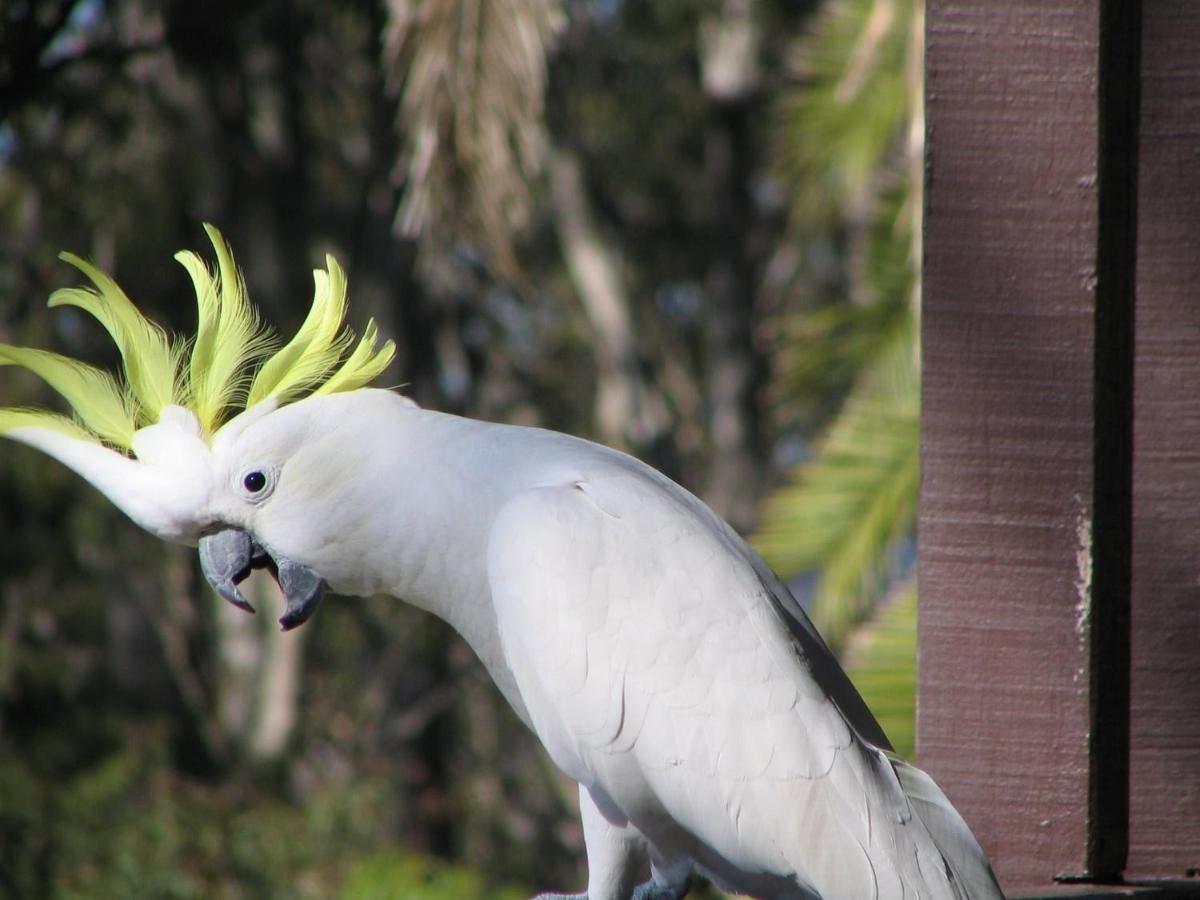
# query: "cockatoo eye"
{"type": "Point", "coordinates": [257, 482]}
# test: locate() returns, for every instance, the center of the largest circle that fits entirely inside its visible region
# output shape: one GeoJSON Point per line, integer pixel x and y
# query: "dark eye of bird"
{"type": "Point", "coordinates": [254, 481]}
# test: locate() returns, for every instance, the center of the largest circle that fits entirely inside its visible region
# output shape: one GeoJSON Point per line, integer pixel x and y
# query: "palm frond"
{"type": "Point", "coordinates": [824, 351]}
{"type": "Point", "coordinates": [471, 75]}
{"type": "Point", "coordinates": [846, 509]}
{"type": "Point", "coordinates": [880, 658]}
{"type": "Point", "coordinates": [826, 348]}
{"type": "Point", "coordinates": [845, 118]}
{"type": "Point", "coordinates": [845, 149]}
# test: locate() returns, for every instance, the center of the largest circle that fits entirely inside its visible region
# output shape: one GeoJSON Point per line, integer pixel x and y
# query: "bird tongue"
{"type": "Point", "coordinates": [228, 557]}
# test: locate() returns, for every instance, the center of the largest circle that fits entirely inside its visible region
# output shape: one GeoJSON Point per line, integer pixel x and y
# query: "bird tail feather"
{"type": "Point", "coordinates": [962, 854]}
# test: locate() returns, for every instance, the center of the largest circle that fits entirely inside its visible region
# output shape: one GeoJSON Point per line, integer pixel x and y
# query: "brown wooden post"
{"type": "Point", "coordinates": [1026, 486]}
{"type": "Point", "coordinates": [1164, 825]}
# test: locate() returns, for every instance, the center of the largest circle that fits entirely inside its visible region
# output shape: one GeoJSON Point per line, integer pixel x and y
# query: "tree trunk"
{"type": "Point", "coordinates": [729, 44]}
{"type": "Point", "coordinates": [629, 412]}
{"type": "Point", "coordinates": [260, 666]}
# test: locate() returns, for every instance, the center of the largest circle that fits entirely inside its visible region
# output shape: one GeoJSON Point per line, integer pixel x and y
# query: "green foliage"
{"type": "Point", "coordinates": [841, 127]}
{"type": "Point", "coordinates": [124, 825]}
{"type": "Point", "coordinates": [383, 876]}
{"type": "Point", "coordinates": [827, 349]}
{"type": "Point", "coordinates": [879, 659]}
{"type": "Point", "coordinates": [846, 510]}
{"type": "Point", "coordinates": [844, 146]}
{"type": "Point", "coordinates": [631, 109]}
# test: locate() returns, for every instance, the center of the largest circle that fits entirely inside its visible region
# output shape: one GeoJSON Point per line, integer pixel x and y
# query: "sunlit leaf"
{"type": "Point", "coordinates": [880, 658]}
{"type": "Point", "coordinates": [845, 511]}
{"type": "Point", "coordinates": [848, 111]}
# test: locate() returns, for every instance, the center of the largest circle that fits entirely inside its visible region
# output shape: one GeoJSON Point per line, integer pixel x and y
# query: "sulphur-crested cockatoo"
{"type": "Point", "coordinates": [660, 662]}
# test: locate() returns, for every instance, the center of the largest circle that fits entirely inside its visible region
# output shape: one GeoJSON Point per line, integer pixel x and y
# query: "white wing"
{"type": "Point", "coordinates": [658, 667]}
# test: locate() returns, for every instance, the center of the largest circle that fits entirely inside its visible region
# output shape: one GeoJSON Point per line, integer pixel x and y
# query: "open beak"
{"type": "Point", "coordinates": [227, 559]}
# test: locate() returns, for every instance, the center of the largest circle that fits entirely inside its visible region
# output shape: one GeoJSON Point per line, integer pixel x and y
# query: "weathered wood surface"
{"type": "Point", "coordinates": [1060, 520]}
{"type": "Point", "coordinates": [1019, 299]}
{"type": "Point", "coordinates": [1164, 833]}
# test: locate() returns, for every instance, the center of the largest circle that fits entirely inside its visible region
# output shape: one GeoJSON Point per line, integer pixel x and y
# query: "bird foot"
{"type": "Point", "coordinates": [651, 890]}
{"type": "Point", "coordinates": [646, 891]}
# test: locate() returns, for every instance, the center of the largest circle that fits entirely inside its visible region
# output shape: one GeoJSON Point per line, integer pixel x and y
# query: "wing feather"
{"type": "Point", "coordinates": [662, 663]}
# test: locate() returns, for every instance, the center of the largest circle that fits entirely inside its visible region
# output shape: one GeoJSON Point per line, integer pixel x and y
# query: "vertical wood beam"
{"type": "Point", "coordinates": [1025, 501]}
{"type": "Point", "coordinates": [1164, 827]}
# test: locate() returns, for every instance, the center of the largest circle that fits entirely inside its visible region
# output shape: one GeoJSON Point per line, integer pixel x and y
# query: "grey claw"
{"type": "Point", "coordinates": [225, 558]}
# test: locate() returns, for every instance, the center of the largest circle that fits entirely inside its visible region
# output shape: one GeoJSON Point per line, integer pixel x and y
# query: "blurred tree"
{"type": "Point", "coordinates": [566, 214]}
{"type": "Point", "coordinates": [850, 149]}
{"type": "Point", "coordinates": [731, 73]}
{"type": "Point", "coordinates": [275, 121]}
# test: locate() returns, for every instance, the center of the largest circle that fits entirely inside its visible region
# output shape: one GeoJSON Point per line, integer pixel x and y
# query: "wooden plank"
{"type": "Point", "coordinates": [1176, 891]}
{"type": "Point", "coordinates": [1007, 501]}
{"type": "Point", "coordinates": [1165, 706]}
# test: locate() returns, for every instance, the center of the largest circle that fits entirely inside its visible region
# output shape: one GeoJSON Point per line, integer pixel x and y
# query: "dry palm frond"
{"type": "Point", "coordinates": [471, 76]}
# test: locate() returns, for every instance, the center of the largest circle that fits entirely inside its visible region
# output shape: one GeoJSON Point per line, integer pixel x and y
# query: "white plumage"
{"type": "Point", "coordinates": [660, 662]}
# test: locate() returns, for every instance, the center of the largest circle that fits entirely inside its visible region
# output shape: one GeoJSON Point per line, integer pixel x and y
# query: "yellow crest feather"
{"type": "Point", "coordinates": [363, 366]}
{"type": "Point", "coordinates": [229, 336]}
{"type": "Point", "coordinates": [12, 419]}
{"type": "Point", "coordinates": [217, 375]}
{"type": "Point", "coordinates": [95, 395]}
{"type": "Point", "coordinates": [151, 367]}
{"type": "Point", "coordinates": [310, 356]}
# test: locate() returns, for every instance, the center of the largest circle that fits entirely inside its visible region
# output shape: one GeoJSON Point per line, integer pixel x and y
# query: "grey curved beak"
{"type": "Point", "coordinates": [303, 589]}
{"type": "Point", "coordinates": [228, 557]}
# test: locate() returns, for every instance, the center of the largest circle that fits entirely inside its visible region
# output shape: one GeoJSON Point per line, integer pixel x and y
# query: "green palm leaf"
{"type": "Point", "coordinates": [880, 658]}
{"type": "Point", "coordinates": [847, 509]}
{"type": "Point", "coordinates": [844, 121]}
{"type": "Point", "coordinates": [848, 147]}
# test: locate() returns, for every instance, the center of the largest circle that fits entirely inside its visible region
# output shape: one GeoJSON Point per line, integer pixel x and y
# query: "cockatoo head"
{"type": "Point", "coordinates": [213, 441]}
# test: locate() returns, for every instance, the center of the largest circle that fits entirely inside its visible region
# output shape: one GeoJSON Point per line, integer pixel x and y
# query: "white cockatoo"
{"type": "Point", "coordinates": [660, 662]}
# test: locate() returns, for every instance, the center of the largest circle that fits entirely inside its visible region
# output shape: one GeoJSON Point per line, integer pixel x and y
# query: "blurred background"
{"type": "Point", "coordinates": [687, 229]}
